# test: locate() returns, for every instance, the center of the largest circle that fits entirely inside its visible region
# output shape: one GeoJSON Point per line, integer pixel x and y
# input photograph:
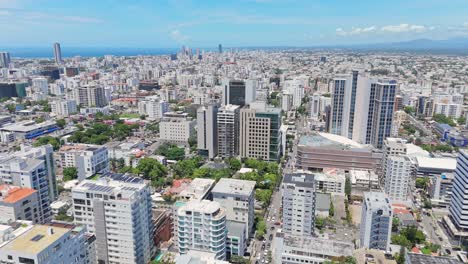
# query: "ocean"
{"type": "Point", "coordinates": [35, 52]}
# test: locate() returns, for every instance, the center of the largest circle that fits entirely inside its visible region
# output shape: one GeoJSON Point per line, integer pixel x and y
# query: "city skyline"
{"type": "Point", "coordinates": [169, 24]}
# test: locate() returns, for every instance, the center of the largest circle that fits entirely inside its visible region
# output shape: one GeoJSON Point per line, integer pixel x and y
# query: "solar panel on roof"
{"type": "Point", "coordinates": [37, 237]}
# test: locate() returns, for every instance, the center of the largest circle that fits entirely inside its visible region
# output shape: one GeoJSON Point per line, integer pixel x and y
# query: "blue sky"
{"type": "Point", "coordinates": [234, 23]}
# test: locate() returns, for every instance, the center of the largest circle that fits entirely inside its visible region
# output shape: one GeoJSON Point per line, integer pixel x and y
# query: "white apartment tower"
{"type": "Point", "coordinates": [298, 192]}
{"type": "Point", "coordinates": [63, 107]}
{"type": "Point", "coordinates": [228, 131]}
{"type": "Point", "coordinates": [207, 130]}
{"type": "Point", "coordinates": [202, 227]}
{"type": "Point", "coordinates": [397, 177]}
{"type": "Point", "coordinates": [176, 127]}
{"type": "Point", "coordinates": [458, 211]}
{"type": "Point", "coordinates": [117, 210]}
{"type": "Point", "coordinates": [237, 197]}
{"type": "Point", "coordinates": [90, 96]}
{"type": "Point", "coordinates": [87, 159]}
{"type": "Point", "coordinates": [153, 107]}
{"type": "Point", "coordinates": [376, 221]}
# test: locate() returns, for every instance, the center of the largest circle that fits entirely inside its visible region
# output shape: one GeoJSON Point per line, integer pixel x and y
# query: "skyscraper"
{"type": "Point", "coordinates": [57, 53]}
{"type": "Point", "coordinates": [220, 48]}
{"type": "Point", "coordinates": [238, 92]}
{"type": "Point", "coordinates": [117, 209]}
{"type": "Point", "coordinates": [207, 130]}
{"type": "Point", "coordinates": [4, 59]}
{"type": "Point", "coordinates": [260, 132]}
{"type": "Point", "coordinates": [372, 98]}
{"type": "Point", "coordinates": [228, 131]}
{"type": "Point", "coordinates": [458, 212]}
{"type": "Point", "coordinates": [397, 177]}
{"type": "Point", "coordinates": [376, 221]}
{"type": "Point", "coordinates": [299, 199]}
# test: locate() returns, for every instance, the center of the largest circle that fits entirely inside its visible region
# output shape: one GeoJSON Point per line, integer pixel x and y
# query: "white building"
{"type": "Point", "coordinates": [207, 130]}
{"type": "Point", "coordinates": [449, 110]}
{"type": "Point", "coordinates": [41, 84]}
{"type": "Point", "coordinates": [315, 106]}
{"type": "Point", "coordinates": [366, 179]}
{"type": "Point", "coordinates": [87, 159]}
{"type": "Point", "coordinates": [331, 181]}
{"type": "Point", "coordinates": [376, 221]}
{"type": "Point", "coordinates": [26, 130]}
{"type": "Point", "coordinates": [63, 107]}
{"type": "Point", "coordinates": [202, 227]}
{"type": "Point", "coordinates": [44, 244]}
{"type": "Point", "coordinates": [117, 210]}
{"type": "Point", "coordinates": [176, 127]}
{"type": "Point", "coordinates": [90, 96]}
{"type": "Point", "coordinates": [238, 198]}
{"type": "Point", "coordinates": [28, 173]}
{"type": "Point", "coordinates": [397, 177]}
{"type": "Point", "coordinates": [153, 107]}
{"type": "Point", "coordinates": [286, 101]}
{"type": "Point", "coordinates": [228, 131]}
{"type": "Point", "coordinates": [198, 257]}
{"type": "Point", "coordinates": [198, 190]}
{"type": "Point", "coordinates": [307, 249]}
{"type": "Point", "coordinates": [298, 192]}
{"type": "Point", "coordinates": [18, 203]}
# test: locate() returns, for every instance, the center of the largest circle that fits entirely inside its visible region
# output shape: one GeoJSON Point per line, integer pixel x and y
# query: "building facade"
{"type": "Point", "coordinates": [376, 221]}
{"type": "Point", "coordinates": [207, 130]}
{"type": "Point", "coordinates": [228, 131]}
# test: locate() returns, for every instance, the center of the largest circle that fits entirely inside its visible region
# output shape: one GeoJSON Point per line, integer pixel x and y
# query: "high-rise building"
{"type": "Point", "coordinates": [392, 147]}
{"type": "Point", "coordinates": [397, 177]}
{"type": "Point", "coordinates": [117, 209]}
{"type": "Point", "coordinates": [29, 173]}
{"type": "Point", "coordinates": [17, 203]}
{"type": "Point", "coordinates": [63, 107]}
{"type": "Point", "coordinates": [57, 53]}
{"type": "Point", "coordinates": [202, 227]}
{"type": "Point", "coordinates": [228, 131]}
{"type": "Point", "coordinates": [238, 92]}
{"type": "Point", "coordinates": [176, 127]}
{"type": "Point", "coordinates": [299, 199]}
{"type": "Point", "coordinates": [260, 135]}
{"type": "Point", "coordinates": [41, 84]}
{"type": "Point", "coordinates": [372, 98]}
{"type": "Point", "coordinates": [220, 48]}
{"type": "Point", "coordinates": [153, 107]}
{"type": "Point", "coordinates": [315, 105]}
{"type": "Point", "coordinates": [207, 130]}
{"type": "Point", "coordinates": [44, 244]}
{"type": "Point", "coordinates": [87, 159]}
{"type": "Point", "coordinates": [5, 59]}
{"type": "Point", "coordinates": [458, 212]}
{"type": "Point", "coordinates": [90, 96]}
{"type": "Point", "coordinates": [237, 197]}
{"type": "Point", "coordinates": [376, 221]}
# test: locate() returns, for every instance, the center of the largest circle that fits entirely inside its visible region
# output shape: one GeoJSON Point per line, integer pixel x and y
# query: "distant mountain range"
{"type": "Point", "coordinates": [450, 46]}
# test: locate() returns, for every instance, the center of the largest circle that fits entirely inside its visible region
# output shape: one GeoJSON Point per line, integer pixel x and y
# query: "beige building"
{"type": "Point", "coordinates": [176, 127]}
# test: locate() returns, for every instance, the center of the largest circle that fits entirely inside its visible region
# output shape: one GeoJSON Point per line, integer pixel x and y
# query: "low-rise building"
{"type": "Point", "coordinates": [176, 127]}
{"type": "Point", "coordinates": [26, 130]}
{"type": "Point", "coordinates": [330, 181]}
{"type": "Point", "coordinates": [87, 159]}
{"type": "Point", "coordinates": [18, 203]}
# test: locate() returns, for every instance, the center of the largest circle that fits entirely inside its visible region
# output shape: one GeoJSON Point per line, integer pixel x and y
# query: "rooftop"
{"type": "Point", "coordinates": [37, 239]}
{"type": "Point", "coordinates": [329, 141]}
{"type": "Point", "coordinates": [197, 189]}
{"type": "Point", "coordinates": [234, 186]}
{"type": "Point", "coordinates": [446, 164]}
{"type": "Point", "coordinates": [203, 206]}
{"type": "Point", "coordinates": [319, 245]}
{"type": "Point", "coordinates": [13, 194]}
{"type": "Point", "coordinates": [300, 178]}
{"type": "Point", "coordinates": [377, 200]}
{"type": "Point", "coordinates": [27, 126]}
{"type": "Point", "coordinates": [428, 259]}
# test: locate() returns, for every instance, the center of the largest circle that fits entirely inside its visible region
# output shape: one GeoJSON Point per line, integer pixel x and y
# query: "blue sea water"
{"type": "Point", "coordinates": [33, 52]}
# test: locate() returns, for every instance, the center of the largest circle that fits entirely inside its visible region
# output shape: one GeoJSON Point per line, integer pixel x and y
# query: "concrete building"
{"type": "Point", "coordinates": [153, 107]}
{"type": "Point", "coordinates": [176, 127]}
{"type": "Point", "coordinates": [26, 130]}
{"type": "Point", "coordinates": [202, 227]}
{"type": "Point", "coordinates": [298, 193]}
{"type": "Point", "coordinates": [364, 179]}
{"type": "Point", "coordinates": [307, 249]}
{"type": "Point", "coordinates": [331, 181]}
{"type": "Point", "coordinates": [63, 107]}
{"type": "Point", "coordinates": [397, 177]}
{"type": "Point", "coordinates": [324, 150]}
{"type": "Point", "coordinates": [5, 59]}
{"type": "Point", "coordinates": [440, 189]}
{"type": "Point", "coordinates": [237, 197]}
{"type": "Point", "coordinates": [199, 189]}
{"type": "Point", "coordinates": [28, 173]}
{"type": "Point", "coordinates": [315, 106]}
{"type": "Point", "coordinates": [237, 92]}
{"type": "Point", "coordinates": [449, 110]}
{"type": "Point", "coordinates": [286, 101]}
{"type": "Point", "coordinates": [207, 130]}
{"type": "Point", "coordinates": [57, 53]}
{"type": "Point", "coordinates": [392, 147]}
{"type": "Point", "coordinates": [18, 203]}
{"type": "Point", "coordinates": [260, 135]}
{"type": "Point", "coordinates": [41, 84]}
{"type": "Point", "coordinates": [87, 159]}
{"type": "Point", "coordinates": [376, 221]}
{"type": "Point", "coordinates": [458, 212]}
{"type": "Point", "coordinates": [90, 96]}
{"type": "Point", "coordinates": [198, 257]}
{"type": "Point", "coordinates": [117, 209]}
{"type": "Point", "coordinates": [45, 244]}
{"type": "Point", "coordinates": [228, 131]}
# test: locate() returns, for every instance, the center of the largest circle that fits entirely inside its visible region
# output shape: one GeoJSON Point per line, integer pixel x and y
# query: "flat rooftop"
{"type": "Point", "coordinates": [377, 200]}
{"type": "Point", "coordinates": [428, 259]}
{"type": "Point", "coordinates": [318, 245]}
{"type": "Point", "coordinates": [27, 126]}
{"type": "Point", "coordinates": [326, 140]}
{"type": "Point", "coordinates": [300, 178]}
{"type": "Point", "coordinates": [203, 206]}
{"type": "Point", "coordinates": [234, 186]}
{"type": "Point", "coordinates": [447, 164]}
{"type": "Point", "coordinates": [37, 239]}
{"type": "Point", "coordinates": [197, 189]}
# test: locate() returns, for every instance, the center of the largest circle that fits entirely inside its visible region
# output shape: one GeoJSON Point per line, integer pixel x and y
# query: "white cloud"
{"type": "Point", "coordinates": [465, 24]}
{"type": "Point", "coordinates": [403, 28]}
{"type": "Point", "coordinates": [178, 36]}
{"type": "Point", "coordinates": [355, 31]}
{"type": "Point", "coordinates": [82, 19]}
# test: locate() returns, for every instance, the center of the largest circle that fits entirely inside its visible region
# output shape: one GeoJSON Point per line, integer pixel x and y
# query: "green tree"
{"type": "Point", "coordinates": [263, 196]}
{"type": "Point", "coordinates": [422, 183]}
{"type": "Point", "coordinates": [331, 211]}
{"type": "Point", "coordinates": [70, 173]}
{"type": "Point", "coordinates": [185, 168]}
{"type": "Point", "coordinates": [442, 119]}
{"type": "Point", "coordinates": [348, 187]}
{"type": "Point", "coordinates": [152, 170]}
{"type": "Point", "coordinates": [39, 120]}
{"type": "Point", "coordinates": [61, 123]}
{"type": "Point", "coordinates": [401, 240]}
{"type": "Point", "coordinates": [11, 108]}
{"type": "Point", "coordinates": [171, 151]}
{"type": "Point", "coordinates": [234, 164]}
{"type": "Point", "coordinates": [395, 224]}
{"type": "Point", "coordinates": [238, 260]}
{"type": "Point", "coordinates": [260, 228]}
{"type": "Point", "coordinates": [400, 257]}
{"type": "Point", "coordinates": [408, 109]}
{"type": "Point", "coordinates": [55, 142]}
{"type": "Point", "coordinates": [461, 120]}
